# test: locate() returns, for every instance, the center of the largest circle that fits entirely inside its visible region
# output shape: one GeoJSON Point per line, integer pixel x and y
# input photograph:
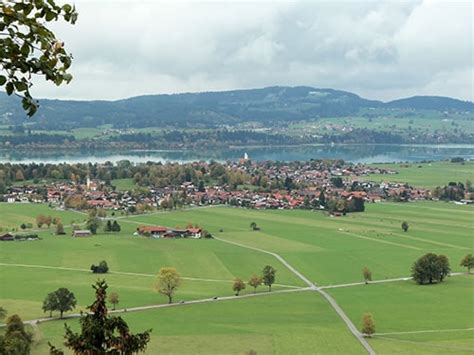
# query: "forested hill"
{"type": "Point", "coordinates": [211, 109]}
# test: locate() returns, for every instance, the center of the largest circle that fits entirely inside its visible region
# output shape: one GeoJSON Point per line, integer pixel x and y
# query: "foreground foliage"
{"type": "Point", "coordinates": [101, 334]}
{"type": "Point", "coordinates": [28, 47]}
{"type": "Point", "coordinates": [16, 339]}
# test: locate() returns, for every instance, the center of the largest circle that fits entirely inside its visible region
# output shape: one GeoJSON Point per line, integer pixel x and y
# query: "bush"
{"type": "Point", "coordinates": [102, 268]}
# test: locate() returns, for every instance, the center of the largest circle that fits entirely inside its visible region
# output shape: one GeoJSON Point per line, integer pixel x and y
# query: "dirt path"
{"type": "Point", "coordinates": [35, 322]}
{"type": "Point", "coordinates": [313, 287]}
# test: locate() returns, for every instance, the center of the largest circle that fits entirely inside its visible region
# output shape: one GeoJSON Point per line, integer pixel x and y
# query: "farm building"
{"type": "Point", "coordinates": [81, 233]}
{"type": "Point", "coordinates": [166, 232]}
{"type": "Point", "coordinates": [6, 237]}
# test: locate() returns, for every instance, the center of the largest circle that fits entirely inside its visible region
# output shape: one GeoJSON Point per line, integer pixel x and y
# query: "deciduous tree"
{"type": "Point", "coordinates": [114, 299]}
{"type": "Point", "coordinates": [468, 261]}
{"type": "Point", "coordinates": [367, 274]}
{"type": "Point", "coordinates": [368, 325]}
{"type": "Point", "coordinates": [254, 282]}
{"type": "Point", "coordinates": [50, 303]}
{"type": "Point", "coordinates": [65, 301]}
{"type": "Point", "coordinates": [405, 226]}
{"type": "Point", "coordinates": [60, 229]}
{"type": "Point", "coordinates": [268, 276]}
{"type": "Point", "coordinates": [168, 282]}
{"type": "Point", "coordinates": [238, 286]}
{"type": "Point", "coordinates": [3, 312]}
{"type": "Point", "coordinates": [28, 47]}
{"type": "Point", "coordinates": [429, 268]}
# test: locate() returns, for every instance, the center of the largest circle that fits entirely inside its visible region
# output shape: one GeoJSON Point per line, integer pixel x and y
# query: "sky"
{"type": "Point", "coordinates": [377, 49]}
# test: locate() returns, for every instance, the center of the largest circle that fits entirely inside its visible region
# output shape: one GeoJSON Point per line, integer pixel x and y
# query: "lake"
{"type": "Point", "coordinates": [368, 153]}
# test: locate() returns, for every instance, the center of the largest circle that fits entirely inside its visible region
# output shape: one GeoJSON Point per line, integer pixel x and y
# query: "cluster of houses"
{"type": "Point", "coordinates": [309, 180]}
{"type": "Point", "coordinates": [167, 232]}
{"type": "Point", "coordinates": [8, 237]}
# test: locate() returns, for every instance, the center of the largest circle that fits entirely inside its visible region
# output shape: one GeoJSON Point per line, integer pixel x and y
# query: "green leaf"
{"type": "Point", "coordinates": [9, 88]}
{"type": "Point", "coordinates": [67, 78]}
{"type": "Point", "coordinates": [67, 8]}
{"type": "Point", "coordinates": [21, 86]}
{"type": "Point", "coordinates": [25, 49]}
{"type": "Point", "coordinates": [3, 80]}
{"type": "Point", "coordinates": [50, 16]}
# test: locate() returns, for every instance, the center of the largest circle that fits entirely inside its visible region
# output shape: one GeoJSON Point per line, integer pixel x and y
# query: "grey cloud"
{"type": "Point", "coordinates": [379, 49]}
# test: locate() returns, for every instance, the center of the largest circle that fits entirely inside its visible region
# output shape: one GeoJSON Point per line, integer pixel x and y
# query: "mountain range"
{"type": "Point", "coordinates": [212, 109]}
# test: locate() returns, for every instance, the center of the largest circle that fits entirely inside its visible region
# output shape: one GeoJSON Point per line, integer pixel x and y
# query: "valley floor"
{"type": "Point", "coordinates": [293, 319]}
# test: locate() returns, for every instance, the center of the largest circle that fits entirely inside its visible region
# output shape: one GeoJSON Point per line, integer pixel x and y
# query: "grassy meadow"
{"type": "Point", "coordinates": [327, 250]}
{"type": "Point", "coordinates": [428, 175]}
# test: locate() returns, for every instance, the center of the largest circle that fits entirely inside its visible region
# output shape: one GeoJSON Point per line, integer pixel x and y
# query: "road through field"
{"type": "Point", "coordinates": [313, 287]}
{"type": "Point", "coordinates": [35, 322]}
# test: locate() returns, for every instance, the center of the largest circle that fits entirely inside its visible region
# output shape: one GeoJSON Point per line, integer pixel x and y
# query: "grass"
{"type": "Point", "coordinates": [301, 323]}
{"type": "Point", "coordinates": [428, 175]}
{"type": "Point", "coordinates": [446, 306]}
{"type": "Point", "coordinates": [327, 250]}
{"type": "Point", "coordinates": [123, 184]}
{"type": "Point", "coordinates": [14, 214]}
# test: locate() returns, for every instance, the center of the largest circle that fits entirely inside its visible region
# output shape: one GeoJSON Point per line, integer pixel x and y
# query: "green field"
{"type": "Point", "coordinates": [327, 250]}
{"type": "Point", "coordinates": [428, 175]}
{"type": "Point", "coordinates": [123, 184]}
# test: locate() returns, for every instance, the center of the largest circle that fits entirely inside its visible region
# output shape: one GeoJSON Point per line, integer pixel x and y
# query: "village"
{"type": "Point", "coordinates": [330, 185]}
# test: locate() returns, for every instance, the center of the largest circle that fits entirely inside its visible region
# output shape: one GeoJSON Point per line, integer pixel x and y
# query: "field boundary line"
{"type": "Point", "coordinates": [128, 273]}
{"type": "Point", "coordinates": [379, 241]}
{"type": "Point", "coordinates": [313, 287]}
{"type": "Point", "coordinates": [426, 331]}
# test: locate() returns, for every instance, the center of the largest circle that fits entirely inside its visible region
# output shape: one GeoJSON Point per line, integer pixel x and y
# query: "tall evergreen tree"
{"type": "Point", "coordinates": [101, 334]}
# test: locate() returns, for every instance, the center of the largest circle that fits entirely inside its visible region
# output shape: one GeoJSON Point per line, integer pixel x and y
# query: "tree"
{"type": "Point", "coordinates": [468, 261]}
{"type": "Point", "coordinates": [93, 224]}
{"type": "Point", "coordinates": [102, 268]}
{"type": "Point", "coordinates": [3, 312]}
{"type": "Point", "coordinates": [60, 229]}
{"type": "Point", "coordinates": [28, 47]}
{"type": "Point", "coordinates": [101, 334]}
{"type": "Point", "coordinates": [255, 281]}
{"type": "Point", "coordinates": [405, 226]}
{"type": "Point", "coordinates": [114, 299]}
{"type": "Point", "coordinates": [444, 268]}
{"type": "Point", "coordinates": [50, 303]}
{"type": "Point", "coordinates": [116, 227]}
{"type": "Point", "coordinates": [40, 220]}
{"type": "Point", "coordinates": [268, 276]}
{"type": "Point", "coordinates": [430, 267]}
{"type": "Point", "coordinates": [168, 282]}
{"type": "Point", "coordinates": [64, 300]}
{"type": "Point", "coordinates": [337, 181]}
{"type": "Point", "coordinates": [367, 274]}
{"type": "Point", "coordinates": [108, 226]}
{"type": "Point", "coordinates": [368, 325]}
{"type": "Point", "coordinates": [201, 187]}
{"type": "Point", "coordinates": [322, 199]}
{"type": "Point", "coordinates": [16, 339]}
{"type": "Point", "coordinates": [238, 286]}
{"type": "Point", "coordinates": [253, 225]}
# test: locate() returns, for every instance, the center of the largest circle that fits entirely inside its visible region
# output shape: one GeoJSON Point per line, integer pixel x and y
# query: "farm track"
{"type": "Point", "coordinates": [35, 322]}
{"type": "Point", "coordinates": [359, 336]}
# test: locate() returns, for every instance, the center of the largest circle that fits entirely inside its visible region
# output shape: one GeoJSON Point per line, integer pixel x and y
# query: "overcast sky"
{"type": "Point", "coordinates": [377, 49]}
